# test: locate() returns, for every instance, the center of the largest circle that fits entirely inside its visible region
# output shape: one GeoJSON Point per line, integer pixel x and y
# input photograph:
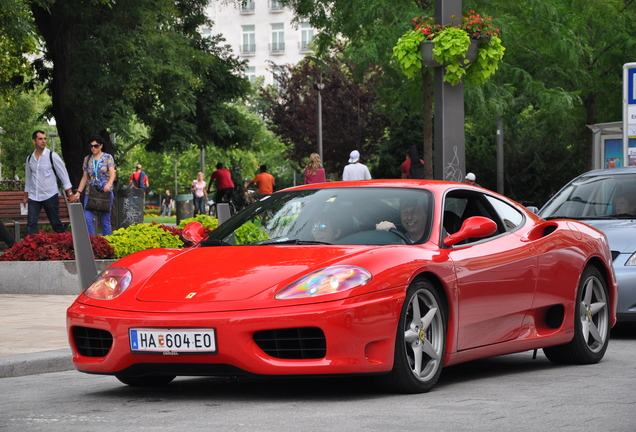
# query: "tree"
{"type": "Point", "coordinates": [17, 38]}
{"type": "Point", "coordinates": [115, 60]}
{"type": "Point", "coordinates": [19, 118]}
{"type": "Point", "coordinates": [349, 118]}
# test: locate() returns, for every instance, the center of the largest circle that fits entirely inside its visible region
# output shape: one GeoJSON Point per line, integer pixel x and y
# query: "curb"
{"type": "Point", "coordinates": [36, 363]}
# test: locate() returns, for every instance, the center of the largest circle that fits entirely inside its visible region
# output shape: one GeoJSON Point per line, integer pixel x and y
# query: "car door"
{"type": "Point", "coordinates": [496, 276]}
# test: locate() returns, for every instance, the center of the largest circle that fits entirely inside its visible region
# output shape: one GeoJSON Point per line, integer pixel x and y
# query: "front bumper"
{"type": "Point", "coordinates": [359, 333]}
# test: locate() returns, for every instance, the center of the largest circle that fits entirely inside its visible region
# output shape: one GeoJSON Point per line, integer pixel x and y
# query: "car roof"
{"type": "Point", "coordinates": [610, 171]}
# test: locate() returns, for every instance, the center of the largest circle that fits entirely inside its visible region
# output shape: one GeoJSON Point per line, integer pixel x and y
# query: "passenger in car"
{"type": "Point", "coordinates": [327, 229]}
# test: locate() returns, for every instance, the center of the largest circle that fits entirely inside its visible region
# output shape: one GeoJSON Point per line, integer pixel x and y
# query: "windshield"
{"type": "Point", "coordinates": [594, 197]}
{"type": "Point", "coordinates": [330, 216]}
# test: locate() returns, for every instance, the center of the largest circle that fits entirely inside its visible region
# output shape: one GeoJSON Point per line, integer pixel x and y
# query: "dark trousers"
{"type": "Point", "coordinates": [52, 210]}
{"type": "Point", "coordinates": [223, 193]}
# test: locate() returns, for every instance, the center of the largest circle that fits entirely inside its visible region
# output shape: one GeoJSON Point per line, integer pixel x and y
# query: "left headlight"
{"type": "Point", "coordinates": [329, 280]}
{"type": "Point", "coordinates": [109, 284]}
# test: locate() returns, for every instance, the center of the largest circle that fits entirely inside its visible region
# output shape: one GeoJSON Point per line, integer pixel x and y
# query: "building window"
{"type": "Point", "coordinates": [278, 39]}
{"type": "Point", "coordinates": [249, 40]}
{"type": "Point", "coordinates": [250, 73]}
{"type": "Point", "coordinates": [277, 71]}
{"type": "Point", "coordinates": [275, 6]}
{"type": "Point", "coordinates": [247, 7]}
{"type": "Point", "coordinates": [306, 36]}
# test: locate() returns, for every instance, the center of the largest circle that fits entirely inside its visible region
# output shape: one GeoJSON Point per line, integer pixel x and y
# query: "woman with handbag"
{"type": "Point", "coordinates": [98, 178]}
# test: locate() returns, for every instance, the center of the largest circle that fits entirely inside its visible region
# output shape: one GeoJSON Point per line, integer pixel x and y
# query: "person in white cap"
{"type": "Point", "coordinates": [355, 170]}
{"type": "Point", "coordinates": [470, 179]}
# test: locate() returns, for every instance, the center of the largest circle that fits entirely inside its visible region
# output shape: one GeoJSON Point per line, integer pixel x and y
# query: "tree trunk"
{"type": "Point", "coordinates": [57, 28]}
{"type": "Point", "coordinates": [427, 90]}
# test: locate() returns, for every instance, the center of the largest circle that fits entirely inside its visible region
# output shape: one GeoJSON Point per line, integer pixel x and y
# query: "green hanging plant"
{"type": "Point", "coordinates": [451, 44]}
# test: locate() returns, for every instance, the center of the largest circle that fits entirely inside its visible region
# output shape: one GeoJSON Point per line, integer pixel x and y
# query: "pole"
{"type": "Point", "coordinates": [500, 157]}
{"type": "Point", "coordinates": [319, 87]}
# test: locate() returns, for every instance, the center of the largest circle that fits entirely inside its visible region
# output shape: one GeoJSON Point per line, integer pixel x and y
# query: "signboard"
{"type": "Point", "coordinates": [629, 111]}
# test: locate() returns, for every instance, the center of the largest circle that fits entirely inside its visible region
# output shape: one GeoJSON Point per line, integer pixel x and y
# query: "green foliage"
{"type": "Point", "coordinates": [206, 221]}
{"type": "Point", "coordinates": [249, 233]}
{"type": "Point", "coordinates": [450, 47]}
{"type": "Point", "coordinates": [407, 53]}
{"type": "Point", "coordinates": [141, 237]}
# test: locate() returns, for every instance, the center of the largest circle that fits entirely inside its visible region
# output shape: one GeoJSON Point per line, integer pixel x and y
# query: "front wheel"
{"type": "Point", "coordinates": [420, 342]}
{"type": "Point", "coordinates": [591, 323]}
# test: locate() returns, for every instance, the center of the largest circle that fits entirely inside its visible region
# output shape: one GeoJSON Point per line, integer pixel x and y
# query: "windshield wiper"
{"type": "Point", "coordinates": [283, 241]}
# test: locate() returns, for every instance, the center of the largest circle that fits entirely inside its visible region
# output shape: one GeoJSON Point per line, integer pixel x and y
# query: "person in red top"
{"type": "Point", "coordinates": [405, 168]}
{"type": "Point", "coordinates": [265, 182]}
{"type": "Point", "coordinates": [224, 184]}
{"type": "Point", "coordinates": [138, 179]}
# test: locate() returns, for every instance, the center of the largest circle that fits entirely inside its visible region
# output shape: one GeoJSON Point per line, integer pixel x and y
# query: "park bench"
{"type": "Point", "coordinates": [10, 212]}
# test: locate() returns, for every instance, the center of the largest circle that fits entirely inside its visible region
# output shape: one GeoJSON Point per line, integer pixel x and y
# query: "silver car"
{"type": "Point", "coordinates": [606, 200]}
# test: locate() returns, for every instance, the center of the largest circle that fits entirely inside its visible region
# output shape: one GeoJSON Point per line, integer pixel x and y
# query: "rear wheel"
{"type": "Point", "coordinates": [146, 380]}
{"type": "Point", "coordinates": [591, 323]}
{"type": "Point", "coordinates": [420, 342]}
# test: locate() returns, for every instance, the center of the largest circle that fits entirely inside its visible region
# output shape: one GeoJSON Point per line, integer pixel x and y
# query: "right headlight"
{"type": "Point", "coordinates": [631, 261]}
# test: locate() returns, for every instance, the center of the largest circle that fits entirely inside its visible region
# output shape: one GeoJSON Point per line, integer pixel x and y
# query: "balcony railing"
{"type": "Point", "coordinates": [304, 46]}
{"type": "Point", "coordinates": [247, 49]}
{"type": "Point", "coordinates": [247, 8]}
{"type": "Point", "coordinates": [277, 48]}
{"type": "Point", "coordinates": [275, 6]}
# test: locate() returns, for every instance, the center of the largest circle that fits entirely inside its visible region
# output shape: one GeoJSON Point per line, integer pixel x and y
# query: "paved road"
{"type": "Point", "coordinates": [508, 393]}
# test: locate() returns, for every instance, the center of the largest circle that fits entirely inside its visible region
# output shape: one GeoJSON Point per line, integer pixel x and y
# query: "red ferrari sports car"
{"type": "Point", "coordinates": [394, 279]}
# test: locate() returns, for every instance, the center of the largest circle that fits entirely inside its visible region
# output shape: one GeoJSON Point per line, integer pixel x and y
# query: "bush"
{"type": "Point", "coordinates": [52, 246]}
{"type": "Point", "coordinates": [141, 237]}
{"type": "Point", "coordinates": [205, 220]}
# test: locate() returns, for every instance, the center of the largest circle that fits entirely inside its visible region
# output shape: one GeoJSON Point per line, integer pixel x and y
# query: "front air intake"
{"type": "Point", "coordinates": [92, 342]}
{"type": "Point", "coordinates": [292, 343]}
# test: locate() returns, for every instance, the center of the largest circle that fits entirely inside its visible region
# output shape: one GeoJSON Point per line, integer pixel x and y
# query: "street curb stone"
{"type": "Point", "coordinates": [36, 363]}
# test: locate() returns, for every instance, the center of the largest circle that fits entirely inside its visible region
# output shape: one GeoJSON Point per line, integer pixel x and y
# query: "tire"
{"type": "Point", "coordinates": [146, 380]}
{"type": "Point", "coordinates": [591, 323]}
{"type": "Point", "coordinates": [420, 342]}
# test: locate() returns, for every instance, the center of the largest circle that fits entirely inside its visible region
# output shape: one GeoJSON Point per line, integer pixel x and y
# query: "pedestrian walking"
{"type": "Point", "coordinates": [43, 170]}
{"type": "Point", "coordinates": [98, 176]}
{"type": "Point", "coordinates": [355, 170]}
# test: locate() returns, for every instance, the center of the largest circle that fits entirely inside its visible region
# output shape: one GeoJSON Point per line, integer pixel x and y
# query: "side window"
{"type": "Point", "coordinates": [510, 216]}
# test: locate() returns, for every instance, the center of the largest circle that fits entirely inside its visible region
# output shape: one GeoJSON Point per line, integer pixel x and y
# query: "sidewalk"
{"type": "Point", "coordinates": [33, 336]}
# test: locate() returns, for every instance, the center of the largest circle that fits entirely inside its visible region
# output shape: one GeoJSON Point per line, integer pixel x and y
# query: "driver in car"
{"type": "Point", "coordinates": [413, 217]}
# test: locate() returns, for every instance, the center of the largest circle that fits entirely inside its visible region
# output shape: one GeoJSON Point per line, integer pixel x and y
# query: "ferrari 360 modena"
{"type": "Point", "coordinates": [393, 279]}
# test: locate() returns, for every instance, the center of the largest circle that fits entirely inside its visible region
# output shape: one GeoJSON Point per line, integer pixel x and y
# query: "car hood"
{"type": "Point", "coordinates": [621, 233]}
{"type": "Point", "coordinates": [231, 274]}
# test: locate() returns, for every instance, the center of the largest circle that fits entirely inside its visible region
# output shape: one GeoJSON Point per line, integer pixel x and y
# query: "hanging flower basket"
{"type": "Point", "coordinates": [470, 51]}
{"type": "Point", "coordinates": [428, 60]}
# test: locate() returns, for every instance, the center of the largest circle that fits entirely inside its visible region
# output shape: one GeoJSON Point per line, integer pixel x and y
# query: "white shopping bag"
{"type": "Point", "coordinates": [24, 209]}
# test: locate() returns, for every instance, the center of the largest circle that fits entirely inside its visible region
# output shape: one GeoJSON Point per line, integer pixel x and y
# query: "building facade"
{"type": "Point", "coordinates": [258, 31]}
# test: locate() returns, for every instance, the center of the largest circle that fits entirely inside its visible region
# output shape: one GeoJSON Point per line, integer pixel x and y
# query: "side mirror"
{"type": "Point", "coordinates": [473, 227]}
{"type": "Point", "coordinates": [193, 232]}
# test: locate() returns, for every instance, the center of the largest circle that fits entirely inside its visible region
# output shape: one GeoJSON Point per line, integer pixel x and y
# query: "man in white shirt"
{"type": "Point", "coordinates": [355, 170]}
{"type": "Point", "coordinates": [41, 189]}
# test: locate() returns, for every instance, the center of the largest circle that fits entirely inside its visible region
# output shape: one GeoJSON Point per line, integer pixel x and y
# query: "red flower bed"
{"type": "Point", "coordinates": [51, 246]}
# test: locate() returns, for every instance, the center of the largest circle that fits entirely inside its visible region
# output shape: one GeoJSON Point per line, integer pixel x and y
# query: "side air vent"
{"type": "Point", "coordinates": [92, 342]}
{"type": "Point", "coordinates": [292, 343]}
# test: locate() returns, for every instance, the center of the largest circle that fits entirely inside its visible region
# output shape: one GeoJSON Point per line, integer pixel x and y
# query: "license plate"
{"type": "Point", "coordinates": [173, 341]}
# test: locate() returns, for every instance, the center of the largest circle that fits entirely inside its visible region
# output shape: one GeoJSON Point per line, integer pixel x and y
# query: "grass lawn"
{"type": "Point", "coordinates": [160, 220]}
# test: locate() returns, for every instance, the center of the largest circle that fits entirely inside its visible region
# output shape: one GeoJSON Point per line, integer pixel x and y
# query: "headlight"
{"type": "Point", "coordinates": [326, 281]}
{"type": "Point", "coordinates": [631, 261]}
{"type": "Point", "coordinates": [109, 284]}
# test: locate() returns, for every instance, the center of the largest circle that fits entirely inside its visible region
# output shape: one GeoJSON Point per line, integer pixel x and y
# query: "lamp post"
{"type": "Point", "coordinates": [319, 86]}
